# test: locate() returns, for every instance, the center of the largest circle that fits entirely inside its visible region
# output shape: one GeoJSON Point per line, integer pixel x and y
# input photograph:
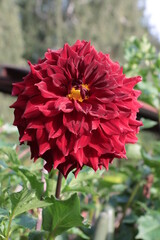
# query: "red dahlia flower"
{"type": "Point", "coordinates": [76, 108]}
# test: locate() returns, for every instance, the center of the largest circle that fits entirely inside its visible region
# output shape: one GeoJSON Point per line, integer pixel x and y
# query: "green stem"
{"type": "Point", "coordinates": [130, 200]}
{"type": "Point", "coordinates": [50, 236]}
{"type": "Point", "coordinates": [9, 226]}
{"type": "Point", "coordinates": [132, 197]}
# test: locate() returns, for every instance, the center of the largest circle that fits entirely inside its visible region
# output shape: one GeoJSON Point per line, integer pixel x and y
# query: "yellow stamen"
{"type": "Point", "coordinates": [85, 86]}
{"type": "Point", "coordinates": [76, 93]}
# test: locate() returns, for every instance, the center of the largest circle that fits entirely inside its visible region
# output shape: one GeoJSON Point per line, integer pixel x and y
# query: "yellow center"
{"type": "Point", "coordinates": [76, 93]}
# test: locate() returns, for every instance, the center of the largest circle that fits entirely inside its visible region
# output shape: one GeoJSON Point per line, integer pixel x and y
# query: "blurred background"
{"type": "Point", "coordinates": [129, 30]}
{"type": "Point", "coordinates": [28, 28]}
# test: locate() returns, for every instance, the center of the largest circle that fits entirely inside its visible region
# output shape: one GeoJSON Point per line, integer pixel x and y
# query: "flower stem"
{"type": "Point", "coordinates": [58, 187]}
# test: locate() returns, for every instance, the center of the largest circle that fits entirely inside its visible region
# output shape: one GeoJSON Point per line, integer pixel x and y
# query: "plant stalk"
{"type": "Point", "coordinates": [9, 226]}
{"type": "Point", "coordinates": [50, 237]}
{"type": "Point", "coordinates": [58, 187]}
{"type": "Point", "coordinates": [134, 192]}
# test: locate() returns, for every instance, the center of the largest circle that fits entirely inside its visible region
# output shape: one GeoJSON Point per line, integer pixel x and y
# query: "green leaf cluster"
{"type": "Point", "coordinates": [21, 194]}
{"type": "Point", "coordinates": [142, 59]}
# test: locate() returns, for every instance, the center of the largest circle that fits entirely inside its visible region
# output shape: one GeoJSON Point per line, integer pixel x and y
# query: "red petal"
{"type": "Point", "coordinates": [105, 162]}
{"type": "Point", "coordinates": [26, 137]}
{"type": "Point", "coordinates": [59, 80]}
{"type": "Point", "coordinates": [58, 158]}
{"type": "Point", "coordinates": [80, 157]}
{"type": "Point", "coordinates": [35, 73]}
{"type": "Point", "coordinates": [110, 128]}
{"type": "Point", "coordinates": [62, 143]}
{"type": "Point", "coordinates": [93, 162]}
{"type": "Point", "coordinates": [81, 142]}
{"type": "Point", "coordinates": [35, 124]}
{"type": "Point", "coordinates": [64, 104]}
{"type": "Point", "coordinates": [42, 141]}
{"type": "Point", "coordinates": [43, 87]}
{"type": "Point", "coordinates": [131, 82]}
{"type": "Point", "coordinates": [68, 52]}
{"type": "Point", "coordinates": [85, 49]}
{"type": "Point", "coordinates": [82, 107]}
{"type": "Point", "coordinates": [97, 111]}
{"type": "Point", "coordinates": [55, 127]}
{"type": "Point", "coordinates": [73, 122]}
{"type": "Point", "coordinates": [17, 88]}
{"type": "Point", "coordinates": [31, 111]}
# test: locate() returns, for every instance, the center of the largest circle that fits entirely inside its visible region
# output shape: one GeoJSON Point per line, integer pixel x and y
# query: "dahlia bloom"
{"type": "Point", "coordinates": [76, 108]}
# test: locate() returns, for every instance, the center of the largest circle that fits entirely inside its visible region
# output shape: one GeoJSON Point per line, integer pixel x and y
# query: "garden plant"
{"type": "Point", "coordinates": [76, 114]}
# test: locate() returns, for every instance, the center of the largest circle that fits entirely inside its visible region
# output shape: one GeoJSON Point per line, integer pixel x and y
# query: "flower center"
{"type": "Point", "coordinates": [79, 93]}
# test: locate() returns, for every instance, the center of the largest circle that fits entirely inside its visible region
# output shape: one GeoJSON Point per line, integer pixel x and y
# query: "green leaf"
{"type": "Point", "coordinates": [26, 221]}
{"type": "Point", "coordinates": [3, 212]}
{"type": "Point", "coordinates": [130, 219]}
{"type": "Point", "coordinates": [147, 123]}
{"type": "Point", "coordinates": [152, 161]}
{"type": "Point", "coordinates": [87, 174]}
{"type": "Point", "coordinates": [3, 164]}
{"type": "Point", "coordinates": [1, 236]}
{"type": "Point", "coordinates": [78, 232]}
{"type": "Point", "coordinates": [81, 189]}
{"type": "Point", "coordinates": [24, 201]}
{"type": "Point", "coordinates": [11, 154]}
{"type": "Point", "coordinates": [156, 148]}
{"type": "Point", "coordinates": [115, 178]}
{"type": "Point", "coordinates": [31, 177]}
{"type": "Point", "coordinates": [134, 151]}
{"type": "Point", "coordinates": [62, 215]}
{"type": "Point", "coordinates": [51, 186]}
{"type": "Point", "coordinates": [149, 226]}
{"type": "Point", "coordinates": [126, 232]}
{"type": "Point", "coordinates": [5, 144]}
{"type": "Point", "coordinates": [111, 180]}
{"type": "Point", "coordinates": [3, 227]}
{"type": "Point", "coordinates": [36, 235]}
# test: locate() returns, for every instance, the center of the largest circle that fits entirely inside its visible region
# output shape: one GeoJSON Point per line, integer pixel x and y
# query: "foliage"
{"type": "Point", "coordinates": [122, 186]}
{"type": "Point", "coordinates": [61, 216]}
{"type": "Point", "coordinates": [22, 191]}
{"type": "Point", "coordinates": [19, 198]}
{"type": "Point", "coordinates": [122, 181]}
{"type": "Point", "coordinates": [142, 59]}
{"type": "Point", "coordinates": [149, 226]}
